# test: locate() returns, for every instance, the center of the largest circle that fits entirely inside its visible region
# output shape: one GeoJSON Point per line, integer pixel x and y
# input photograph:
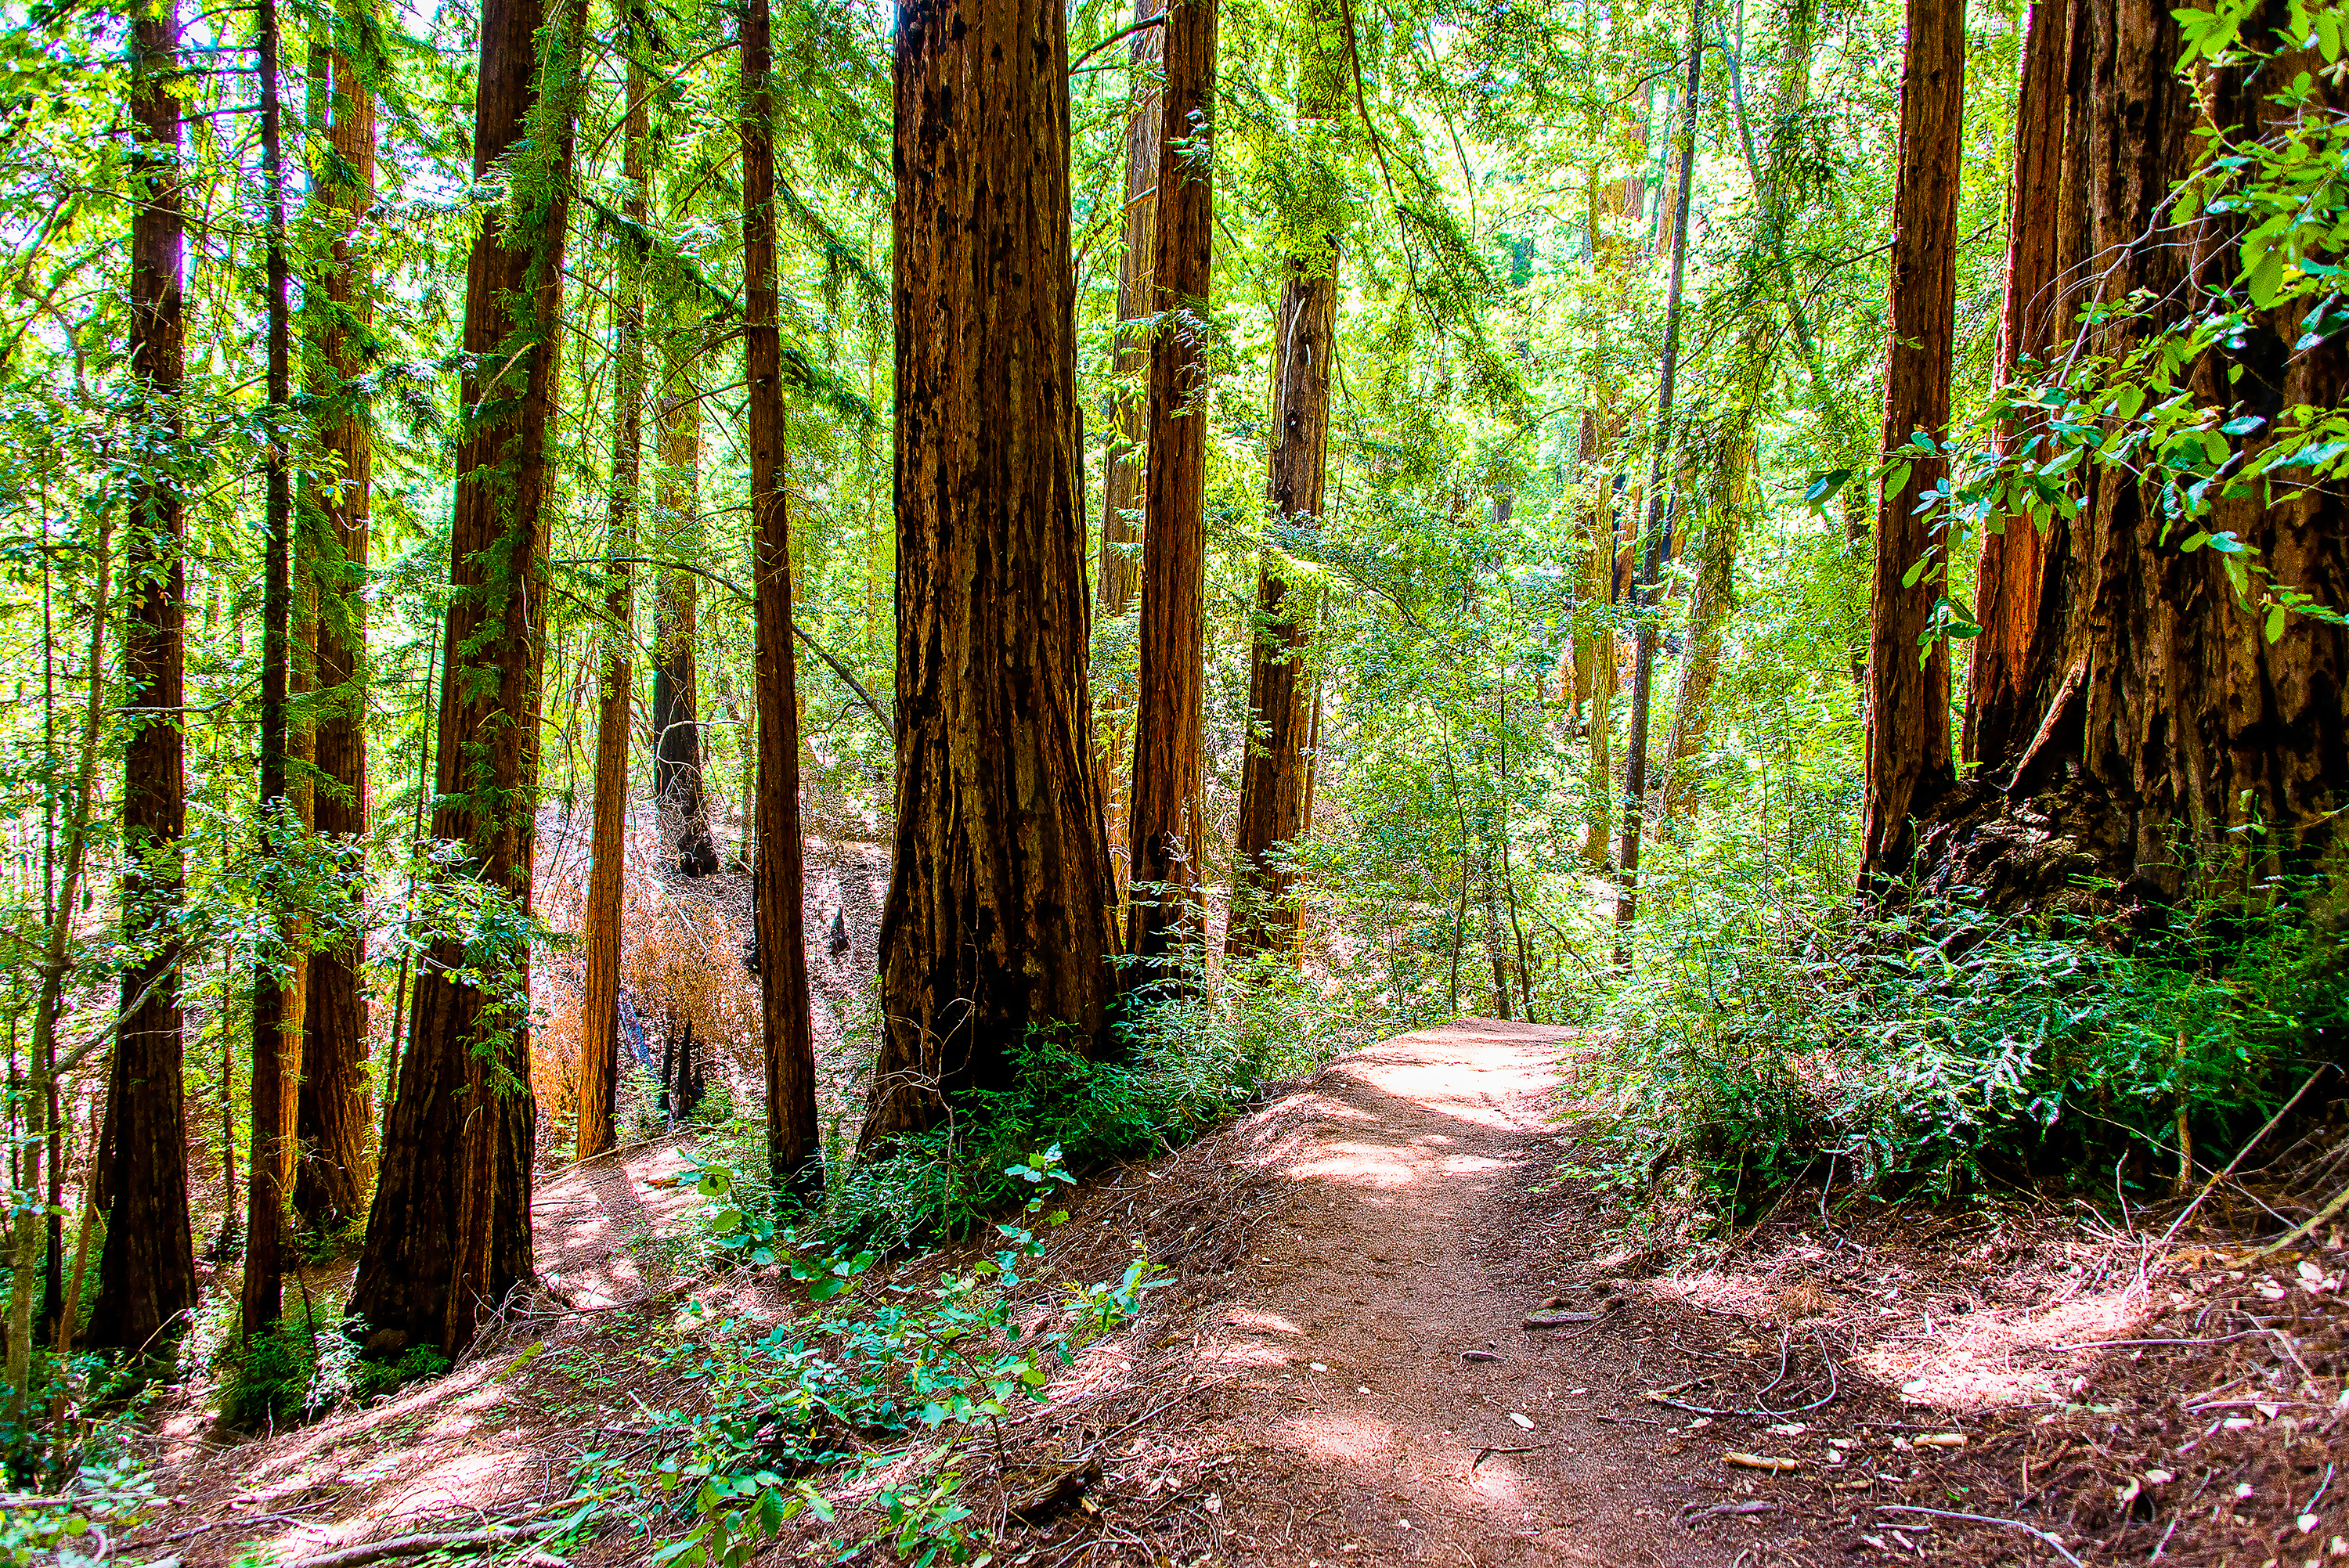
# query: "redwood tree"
{"type": "Point", "coordinates": [1161, 917]}
{"type": "Point", "coordinates": [2171, 722]}
{"type": "Point", "coordinates": [147, 1274]}
{"type": "Point", "coordinates": [676, 695]}
{"type": "Point", "coordinates": [603, 921]}
{"type": "Point", "coordinates": [1908, 757]}
{"type": "Point", "coordinates": [332, 1130]}
{"type": "Point", "coordinates": [779, 879]}
{"type": "Point", "coordinates": [448, 1236]}
{"type": "Point", "coordinates": [997, 917]}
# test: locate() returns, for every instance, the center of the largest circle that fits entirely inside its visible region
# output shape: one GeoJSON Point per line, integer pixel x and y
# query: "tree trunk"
{"type": "Point", "coordinates": [1272, 775]}
{"type": "Point", "coordinates": [269, 1162]}
{"type": "Point", "coordinates": [997, 918]}
{"type": "Point", "coordinates": [677, 698]}
{"type": "Point", "coordinates": [1643, 591]}
{"type": "Point", "coordinates": [2173, 724]}
{"type": "Point", "coordinates": [606, 915]}
{"type": "Point", "coordinates": [793, 1154]}
{"type": "Point", "coordinates": [1909, 762]}
{"type": "Point", "coordinates": [331, 1117]}
{"type": "Point", "coordinates": [2013, 672]}
{"type": "Point", "coordinates": [147, 1274]}
{"type": "Point", "coordinates": [1161, 917]}
{"type": "Point", "coordinates": [448, 1236]}
{"type": "Point", "coordinates": [1121, 570]}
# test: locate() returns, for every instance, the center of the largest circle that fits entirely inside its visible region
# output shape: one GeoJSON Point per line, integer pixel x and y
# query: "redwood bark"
{"type": "Point", "coordinates": [2013, 673]}
{"type": "Point", "coordinates": [449, 1235]}
{"type": "Point", "coordinates": [606, 914]}
{"type": "Point", "coordinates": [332, 1125]}
{"type": "Point", "coordinates": [277, 1047]}
{"type": "Point", "coordinates": [2173, 724]}
{"type": "Point", "coordinates": [997, 918]}
{"type": "Point", "coordinates": [1161, 917]}
{"type": "Point", "coordinates": [147, 1274]}
{"type": "Point", "coordinates": [1909, 757]}
{"type": "Point", "coordinates": [793, 1153]}
{"type": "Point", "coordinates": [1120, 568]}
{"type": "Point", "coordinates": [1272, 775]}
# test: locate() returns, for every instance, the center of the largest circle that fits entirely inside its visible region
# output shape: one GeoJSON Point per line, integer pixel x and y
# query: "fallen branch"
{"type": "Point", "coordinates": [2339, 1202]}
{"type": "Point", "coordinates": [1985, 1519]}
{"type": "Point", "coordinates": [505, 1534]}
{"type": "Point", "coordinates": [1484, 1454]}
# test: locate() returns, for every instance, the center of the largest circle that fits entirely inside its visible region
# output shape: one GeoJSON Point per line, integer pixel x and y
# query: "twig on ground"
{"type": "Point", "coordinates": [2207, 1187]}
{"type": "Point", "coordinates": [416, 1545]}
{"type": "Point", "coordinates": [1985, 1519]}
{"type": "Point", "coordinates": [1484, 1454]}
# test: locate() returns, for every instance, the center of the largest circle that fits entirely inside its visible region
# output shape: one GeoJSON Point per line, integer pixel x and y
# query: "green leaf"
{"type": "Point", "coordinates": [2274, 628]}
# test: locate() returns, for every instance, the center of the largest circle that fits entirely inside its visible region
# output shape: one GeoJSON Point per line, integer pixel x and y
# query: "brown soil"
{"type": "Point", "coordinates": [1305, 1394]}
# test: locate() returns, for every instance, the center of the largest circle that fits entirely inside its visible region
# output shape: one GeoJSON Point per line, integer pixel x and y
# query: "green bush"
{"type": "Point", "coordinates": [305, 1365]}
{"type": "Point", "coordinates": [1930, 1047]}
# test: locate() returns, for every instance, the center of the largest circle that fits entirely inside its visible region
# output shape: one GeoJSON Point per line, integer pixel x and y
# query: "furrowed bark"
{"type": "Point", "coordinates": [1163, 914]}
{"type": "Point", "coordinates": [1909, 757]}
{"type": "Point", "coordinates": [448, 1236]}
{"type": "Point", "coordinates": [678, 784]}
{"type": "Point", "coordinates": [997, 918]}
{"type": "Point", "coordinates": [147, 1274]}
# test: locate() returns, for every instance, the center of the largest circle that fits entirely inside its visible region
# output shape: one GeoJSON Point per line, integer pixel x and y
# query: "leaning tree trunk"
{"type": "Point", "coordinates": [1908, 758]}
{"type": "Point", "coordinates": [606, 914]}
{"type": "Point", "coordinates": [1272, 777]}
{"type": "Point", "coordinates": [331, 1117]}
{"type": "Point", "coordinates": [147, 1274]}
{"type": "Point", "coordinates": [2173, 724]}
{"type": "Point", "coordinates": [2013, 673]}
{"type": "Point", "coordinates": [1162, 915]}
{"type": "Point", "coordinates": [448, 1236]}
{"type": "Point", "coordinates": [997, 919]}
{"type": "Point", "coordinates": [676, 698]}
{"type": "Point", "coordinates": [779, 886]}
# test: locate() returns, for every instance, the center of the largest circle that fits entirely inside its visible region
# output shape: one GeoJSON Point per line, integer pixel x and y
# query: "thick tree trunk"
{"type": "Point", "coordinates": [1272, 775]}
{"type": "Point", "coordinates": [677, 698]}
{"type": "Point", "coordinates": [2012, 674]}
{"type": "Point", "coordinates": [332, 1126]}
{"type": "Point", "coordinates": [793, 1153]}
{"type": "Point", "coordinates": [606, 914]}
{"type": "Point", "coordinates": [277, 1040]}
{"type": "Point", "coordinates": [997, 913]}
{"type": "Point", "coordinates": [448, 1236]}
{"type": "Point", "coordinates": [2173, 724]}
{"type": "Point", "coordinates": [1162, 916]}
{"type": "Point", "coordinates": [147, 1274]}
{"type": "Point", "coordinates": [1908, 760]}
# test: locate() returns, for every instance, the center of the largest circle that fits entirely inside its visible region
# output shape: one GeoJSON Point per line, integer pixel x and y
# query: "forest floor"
{"type": "Point", "coordinates": [1402, 1331]}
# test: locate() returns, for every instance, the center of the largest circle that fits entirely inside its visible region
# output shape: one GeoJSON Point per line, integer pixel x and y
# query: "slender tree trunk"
{"type": "Point", "coordinates": [2016, 602]}
{"type": "Point", "coordinates": [1908, 760]}
{"type": "Point", "coordinates": [332, 1120]}
{"type": "Point", "coordinates": [788, 1036]}
{"type": "Point", "coordinates": [1119, 574]}
{"type": "Point", "coordinates": [1643, 591]}
{"type": "Point", "coordinates": [147, 1274]}
{"type": "Point", "coordinates": [1163, 919]}
{"type": "Point", "coordinates": [269, 1163]}
{"type": "Point", "coordinates": [606, 914]}
{"type": "Point", "coordinates": [997, 913]}
{"type": "Point", "coordinates": [448, 1236]}
{"type": "Point", "coordinates": [1272, 775]}
{"type": "Point", "coordinates": [677, 698]}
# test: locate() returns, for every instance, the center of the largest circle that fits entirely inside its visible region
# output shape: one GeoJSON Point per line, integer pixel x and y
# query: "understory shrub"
{"type": "Point", "coordinates": [307, 1364]}
{"type": "Point", "coordinates": [1934, 1046]}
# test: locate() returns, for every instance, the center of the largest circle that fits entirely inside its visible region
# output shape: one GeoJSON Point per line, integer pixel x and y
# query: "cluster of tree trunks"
{"type": "Point", "coordinates": [2127, 719]}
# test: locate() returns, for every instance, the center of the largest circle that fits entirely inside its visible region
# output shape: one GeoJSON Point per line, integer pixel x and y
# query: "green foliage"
{"type": "Point", "coordinates": [935, 1364]}
{"type": "Point", "coordinates": [1936, 1047]}
{"type": "Point", "coordinates": [81, 1520]}
{"type": "Point", "coordinates": [305, 1365]}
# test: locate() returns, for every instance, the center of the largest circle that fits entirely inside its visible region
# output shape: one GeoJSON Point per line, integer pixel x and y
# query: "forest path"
{"type": "Point", "coordinates": [1422, 1228]}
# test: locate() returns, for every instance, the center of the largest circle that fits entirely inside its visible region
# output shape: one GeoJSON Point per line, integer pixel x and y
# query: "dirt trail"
{"type": "Point", "coordinates": [1408, 1244]}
